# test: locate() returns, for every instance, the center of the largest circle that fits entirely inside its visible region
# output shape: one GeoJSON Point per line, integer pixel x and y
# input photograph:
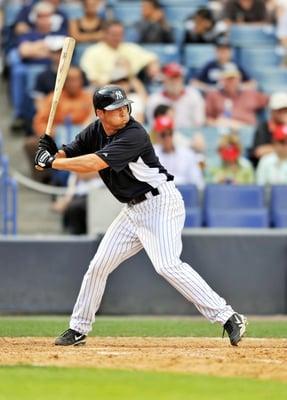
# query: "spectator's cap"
{"type": "Point", "coordinates": [54, 42]}
{"type": "Point", "coordinates": [118, 74]}
{"type": "Point", "coordinates": [223, 41]}
{"type": "Point", "coordinates": [173, 70]}
{"type": "Point", "coordinates": [279, 134]}
{"type": "Point", "coordinates": [278, 101]}
{"type": "Point", "coordinates": [230, 70]}
{"type": "Point", "coordinates": [162, 123]}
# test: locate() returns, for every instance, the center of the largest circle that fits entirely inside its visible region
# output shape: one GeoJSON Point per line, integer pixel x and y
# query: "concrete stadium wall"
{"type": "Point", "coordinates": [248, 268]}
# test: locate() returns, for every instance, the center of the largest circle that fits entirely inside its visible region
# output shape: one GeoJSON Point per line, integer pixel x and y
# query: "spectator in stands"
{"type": "Point", "coordinates": [245, 12]}
{"type": "Point", "coordinates": [232, 168]}
{"type": "Point", "coordinates": [33, 50]}
{"type": "Point", "coordinates": [153, 27]}
{"type": "Point", "coordinates": [179, 160]}
{"type": "Point", "coordinates": [34, 46]}
{"type": "Point", "coordinates": [26, 19]}
{"type": "Point", "coordinates": [263, 138]}
{"type": "Point", "coordinates": [230, 106]}
{"type": "Point", "coordinates": [187, 102]}
{"type": "Point", "coordinates": [202, 27]}
{"type": "Point", "coordinates": [99, 60]}
{"type": "Point", "coordinates": [208, 77]}
{"type": "Point", "coordinates": [73, 206]}
{"type": "Point", "coordinates": [76, 104]}
{"type": "Point", "coordinates": [135, 91]}
{"type": "Point", "coordinates": [88, 28]}
{"type": "Point", "coordinates": [167, 110]}
{"type": "Point", "coordinates": [45, 81]}
{"type": "Point", "coordinates": [272, 167]}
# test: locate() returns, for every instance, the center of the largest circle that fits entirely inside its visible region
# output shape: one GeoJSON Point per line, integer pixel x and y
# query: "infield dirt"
{"type": "Point", "coordinates": [256, 358]}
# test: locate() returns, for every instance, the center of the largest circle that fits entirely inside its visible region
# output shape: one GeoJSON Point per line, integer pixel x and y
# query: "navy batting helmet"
{"type": "Point", "coordinates": [110, 98]}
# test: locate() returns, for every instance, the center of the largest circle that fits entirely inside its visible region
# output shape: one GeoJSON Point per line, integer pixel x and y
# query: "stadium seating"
{"type": "Point", "coordinates": [257, 57]}
{"type": "Point", "coordinates": [278, 206]}
{"type": "Point", "coordinates": [235, 206]}
{"type": "Point", "coordinates": [176, 14]}
{"type": "Point", "coordinates": [166, 52]}
{"type": "Point", "coordinates": [271, 79]}
{"type": "Point", "coordinates": [196, 55]}
{"type": "Point", "coordinates": [190, 197]}
{"type": "Point", "coordinates": [127, 12]}
{"type": "Point", "coordinates": [253, 35]}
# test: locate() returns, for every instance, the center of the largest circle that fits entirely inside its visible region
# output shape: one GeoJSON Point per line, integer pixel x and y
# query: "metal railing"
{"type": "Point", "coordinates": [8, 196]}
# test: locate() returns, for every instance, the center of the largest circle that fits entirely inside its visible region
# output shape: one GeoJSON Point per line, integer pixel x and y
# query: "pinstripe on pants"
{"type": "Point", "coordinates": [156, 226]}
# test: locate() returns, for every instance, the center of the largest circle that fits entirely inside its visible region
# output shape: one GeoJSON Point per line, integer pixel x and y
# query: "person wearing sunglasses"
{"type": "Point", "coordinates": [180, 160]}
{"type": "Point", "coordinates": [272, 167]}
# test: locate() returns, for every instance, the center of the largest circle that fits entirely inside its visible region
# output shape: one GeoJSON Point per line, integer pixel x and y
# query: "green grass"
{"type": "Point", "coordinates": [70, 384]}
{"type": "Point", "coordinates": [135, 326]}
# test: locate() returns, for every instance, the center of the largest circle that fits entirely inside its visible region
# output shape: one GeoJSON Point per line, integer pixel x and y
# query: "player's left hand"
{"type": "Point", "coordinates": [44, 159]}
{"type": "Point", "coordinates": [47, 142]}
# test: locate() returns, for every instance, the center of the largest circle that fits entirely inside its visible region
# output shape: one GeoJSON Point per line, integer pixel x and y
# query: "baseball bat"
{"type": "Point", "coordinates": [63, 68]}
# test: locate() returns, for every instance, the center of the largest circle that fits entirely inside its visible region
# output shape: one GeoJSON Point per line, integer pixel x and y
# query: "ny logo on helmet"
{"type": "Point", "coordinates": [119, 95]}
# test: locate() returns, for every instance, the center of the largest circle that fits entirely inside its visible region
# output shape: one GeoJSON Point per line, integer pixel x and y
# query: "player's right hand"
{"type": "Point", "coordinates": [44, 159]}
{"type": "Point", "coordinates": [46, 142]}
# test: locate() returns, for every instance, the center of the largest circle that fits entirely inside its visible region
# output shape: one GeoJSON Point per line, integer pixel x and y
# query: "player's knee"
{"type": "Point", "coordinates": [167, 269]}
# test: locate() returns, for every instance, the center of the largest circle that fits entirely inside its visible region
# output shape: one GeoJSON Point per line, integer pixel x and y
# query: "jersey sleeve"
{"type": "Point", "coordinates": [123, 150]}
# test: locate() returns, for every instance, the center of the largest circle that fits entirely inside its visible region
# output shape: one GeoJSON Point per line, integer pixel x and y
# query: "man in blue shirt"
{"type": "Point", "coordinates": [208, 77]}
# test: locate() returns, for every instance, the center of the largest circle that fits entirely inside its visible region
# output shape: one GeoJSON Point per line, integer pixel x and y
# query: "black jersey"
{"type": "Point", "coordinates": [133, 170]}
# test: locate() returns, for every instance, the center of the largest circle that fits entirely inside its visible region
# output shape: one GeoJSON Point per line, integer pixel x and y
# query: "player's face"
{"type": "Point", "coordinates": [114, 119]}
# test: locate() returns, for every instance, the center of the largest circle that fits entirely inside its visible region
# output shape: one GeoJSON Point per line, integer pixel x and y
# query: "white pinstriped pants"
{"type": "Point", "coordinates": [155, 225]}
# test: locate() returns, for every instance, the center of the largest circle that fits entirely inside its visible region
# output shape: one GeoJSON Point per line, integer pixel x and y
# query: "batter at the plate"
{"type": "Point", "coordinates": [153, 216]}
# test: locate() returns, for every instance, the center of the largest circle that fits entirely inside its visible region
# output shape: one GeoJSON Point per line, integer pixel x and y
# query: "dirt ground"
{"type": "Point", "coordinates": [257, 358]}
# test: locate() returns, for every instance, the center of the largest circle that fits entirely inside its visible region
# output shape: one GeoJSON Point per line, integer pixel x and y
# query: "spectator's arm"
{"type": "Point", "coordinates": [83, 37]}
{"type": "Point", "coordinates": [203, 87]}
{"type": "Point", "coordinates": [37, 49]}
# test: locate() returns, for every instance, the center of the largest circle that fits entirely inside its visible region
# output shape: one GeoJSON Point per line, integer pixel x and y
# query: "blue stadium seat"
{"type": "Point", "coordinates": [72, 10]}
{"type": "Point", "coordinates": [235, 206]}
{"type": "Point", "coordinates": [11, 11]}
{"type": "Point", "coordinates": [166, 52]}
{"type": "Point", "coordinates": [177, 14]}
{"type": "Point", "coordinates": [243, 35]}
{"type": "Point", "coordinates": [271, 79]}
{"type": "Point", "coordinates": [194, 3]}
{"type": "Point", "coordinates": [256, 57]}
{"type": "Point", "coordinates": [240, 219]}
{"type": "Point", "coordinates": [278, 206]}
{"type": "Point", "coordinates": [127, 12]}
{"type": "Point", "coordinates": [190, 197]}
{"type": "Point", "coordinates": [78, 52]}
{"type": "Point", "coordinates": [195, 56]}
{"type": "Point", "coordinates": [246, 135]}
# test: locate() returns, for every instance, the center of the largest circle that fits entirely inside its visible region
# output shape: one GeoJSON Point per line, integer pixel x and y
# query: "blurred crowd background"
{"type": "Point", "coordinates": [208, 80]}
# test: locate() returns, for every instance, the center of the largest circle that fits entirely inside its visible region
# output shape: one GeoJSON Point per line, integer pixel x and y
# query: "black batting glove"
{"type": "Point", "coordinates": [46, 142]}
{"type": "Point", "coordinates": [44, 159]}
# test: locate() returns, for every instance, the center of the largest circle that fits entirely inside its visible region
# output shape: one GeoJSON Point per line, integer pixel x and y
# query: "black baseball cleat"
{"type": "Point", "coordinates": [235, 326]}
{"type": "Point", "coordinates": [70, 338]}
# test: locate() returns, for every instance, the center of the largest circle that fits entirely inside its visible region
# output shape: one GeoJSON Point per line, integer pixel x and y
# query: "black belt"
{"type": "Point", "coordinates": [142, 197]}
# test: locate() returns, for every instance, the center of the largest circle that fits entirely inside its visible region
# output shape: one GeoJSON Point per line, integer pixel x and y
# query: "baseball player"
{"type": "Point", "coordinates": [119, 148]}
